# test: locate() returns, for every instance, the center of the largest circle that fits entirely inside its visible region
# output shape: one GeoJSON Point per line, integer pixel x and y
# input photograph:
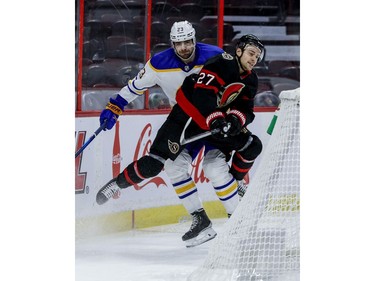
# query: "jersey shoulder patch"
{"type": "Point", "coordinates": [227, 56]}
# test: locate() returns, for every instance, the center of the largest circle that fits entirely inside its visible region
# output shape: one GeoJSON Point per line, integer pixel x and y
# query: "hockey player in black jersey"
{"type": "Point", "coordinates": [220, 99]}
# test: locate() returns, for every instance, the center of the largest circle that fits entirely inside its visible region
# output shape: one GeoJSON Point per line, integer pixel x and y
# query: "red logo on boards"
{"type": "Point", "coordinates": [142, 149]}
{"type": "Point", "coordinates": [80, 177]}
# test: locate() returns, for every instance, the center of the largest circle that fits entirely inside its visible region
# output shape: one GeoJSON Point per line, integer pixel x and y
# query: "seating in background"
{"type": "Point", "coordinates": [94, 74]}
{"type": "Point", "coordinates": [283, 86]}
{"type": "Point", "coordinates": [210, 40]}
{"type": "Point", "coordinates": [292, 72]}
{"type": "Point", "coordinates": [161, 30]}
{"type": "Point", "coordinates": [201, 31]}
{"type": "Point", "coordinates": [172, 19]}
{"type": "Point", "coordinates": [112, 44]}
{"type": "Point", "coordinates": [131, 50]}
{"type": "Point", "coordinates": [159, 47]}
{"type": "Point", "coordinates": [110, 73]}
{"type": "Point", "coordinates": [158, 100]}
{"type": "Point", "coordinates": [108, 20]}
{"type": "Point", "coordinates": [125, 27]}
{"type": "Point", "coordinates": [192, 11]}
{"type": "Point", "coordinates": [114, 41]}
{"type": "Point", "coordinates": [266, 99]}
{"type": "Point", "coordinates": [153, 40]}
{"type": "Point", "coordinates": [162, 9]}
{"type": "Point", "coordinates": [275, 66]}
{"type": "Point", "coordinates": [96, 100]}
{"type": "Point", "coordinates": [261, 70]}
{"type": "Point", "coordinates": [90, 48]}
{"type": "Point", "coordinates": [96, 29]}
{"type": "Point", "coordinates": [264, 85]}
{"type": "Point", "coordinates": [229, 32]}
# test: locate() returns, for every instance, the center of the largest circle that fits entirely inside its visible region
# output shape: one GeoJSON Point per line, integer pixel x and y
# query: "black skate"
{"type": "Point", "coordinates": [242, 187]}
{"type": "Point", "coordinates": [107, 192]}
{"type": "Point", "coordinates": [200, 231]}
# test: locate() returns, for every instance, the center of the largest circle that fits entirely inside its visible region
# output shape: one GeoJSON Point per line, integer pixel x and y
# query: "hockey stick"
{"type": "Point", "coordinates": [91, 138]}
{"type": "Point", "coordinates": [184, 141]}
{"type": "Point", "coordinates": [199, 136]}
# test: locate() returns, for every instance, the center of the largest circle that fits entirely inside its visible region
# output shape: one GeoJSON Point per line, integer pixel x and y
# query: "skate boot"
{"type": "Point", "coordinates": [107, 192]}
{"type": "Point", "coordinates": [200, 231]}
{"type": "Point", "coordinates": [242, 187]}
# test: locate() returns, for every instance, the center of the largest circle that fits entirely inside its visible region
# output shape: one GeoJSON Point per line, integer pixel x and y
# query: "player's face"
{"type": "Point", "coordinates": [185, 48]}
{"type": "Point", "coordinates": [249, 57]}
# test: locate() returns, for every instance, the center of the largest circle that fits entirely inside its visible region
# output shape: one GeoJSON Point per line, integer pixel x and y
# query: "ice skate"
{"type": "Point", "coordinates": [200, 231]}
{"type": "Point", "coordinates": [107, 192]}
{"type": "Point", "coordinates": [242, 187]}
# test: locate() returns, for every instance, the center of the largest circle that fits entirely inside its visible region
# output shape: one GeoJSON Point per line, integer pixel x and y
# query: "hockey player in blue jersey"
{"type": "Point", "coordinates": [168, 69]}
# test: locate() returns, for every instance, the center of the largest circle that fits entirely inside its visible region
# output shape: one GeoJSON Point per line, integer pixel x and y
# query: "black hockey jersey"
{"type": "Point", "coordinates": [199, 98]}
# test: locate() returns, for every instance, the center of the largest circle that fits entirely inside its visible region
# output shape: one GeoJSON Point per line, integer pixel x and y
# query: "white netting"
{"type": "Point", "coordinates": [261, 242]}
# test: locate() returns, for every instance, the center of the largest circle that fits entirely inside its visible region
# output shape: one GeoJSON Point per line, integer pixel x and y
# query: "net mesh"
{"type": "Point", "coordinates": [261, 240]}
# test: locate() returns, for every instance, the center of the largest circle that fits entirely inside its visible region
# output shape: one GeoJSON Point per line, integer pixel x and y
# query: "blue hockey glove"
{"type": "Point", "coordinates": [114, 108]}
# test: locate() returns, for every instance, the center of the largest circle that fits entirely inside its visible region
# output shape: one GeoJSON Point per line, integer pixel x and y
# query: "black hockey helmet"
{"type": "Point", "coordinates": [250, 39]}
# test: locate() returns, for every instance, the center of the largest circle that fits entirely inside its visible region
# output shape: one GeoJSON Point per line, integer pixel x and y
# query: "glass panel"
{"type": "Point", "coordinates": [113, 49]}
{"type": "Point", "coordinates": [277, 24]}
{"type": "Point", "coordinates": [202, 14]}
{"type": "Point", "coordinates": [115, 41]}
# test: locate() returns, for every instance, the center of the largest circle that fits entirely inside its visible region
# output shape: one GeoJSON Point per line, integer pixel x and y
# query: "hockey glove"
{"type": "Point", "coordinates": [217, 124]}
{"type": "Point", "coordinates": [237, 120]}
{"type": "Point", "coordinates": [114, 108]}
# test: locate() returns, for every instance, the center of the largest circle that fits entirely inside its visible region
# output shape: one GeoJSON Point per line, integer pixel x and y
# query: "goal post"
{"type": "Point", "coordinates": [261, 240]}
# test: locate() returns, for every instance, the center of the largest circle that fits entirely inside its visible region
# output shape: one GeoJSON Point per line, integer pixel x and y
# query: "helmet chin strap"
{"type": "Point", "coordinates": [238, 58]}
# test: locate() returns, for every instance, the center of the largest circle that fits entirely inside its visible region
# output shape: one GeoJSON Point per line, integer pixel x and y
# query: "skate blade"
{"type": "Point", "coordinates": [206, 235]}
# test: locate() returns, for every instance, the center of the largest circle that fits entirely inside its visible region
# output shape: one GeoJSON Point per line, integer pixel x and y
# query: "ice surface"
{"type": "Point", "coordinates": [153, 254]}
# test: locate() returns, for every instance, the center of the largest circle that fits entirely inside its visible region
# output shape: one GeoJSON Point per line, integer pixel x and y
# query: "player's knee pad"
{"type": "Point", "coordinates": [145, 167]}
{"type": "Point", "coordinates": [178, 169]}
{"type": "Point", "coordinates": [149, 166]}
{"type": "Point", "coordinates": [244, 159]}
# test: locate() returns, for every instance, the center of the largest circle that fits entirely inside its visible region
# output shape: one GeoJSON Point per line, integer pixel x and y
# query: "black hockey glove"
{"type": "Point", "coordinates": [237, 120]}
{"type": "Point", "coordinates": [217, 124]}
{"type": "Point", "coordinates": [191, 80]}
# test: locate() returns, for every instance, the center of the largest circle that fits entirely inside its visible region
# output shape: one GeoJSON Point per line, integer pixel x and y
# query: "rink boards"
{"type": "Point", "coordinates": [152, 202]}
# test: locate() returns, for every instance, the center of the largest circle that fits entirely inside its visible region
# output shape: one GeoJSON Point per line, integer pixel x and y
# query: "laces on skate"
{"type": "Point", "coordinates": [200, 230]}
{"type": "Point", "coordinates": [242, 187]}
{"type": "Point", "coordinates": [107, 192]}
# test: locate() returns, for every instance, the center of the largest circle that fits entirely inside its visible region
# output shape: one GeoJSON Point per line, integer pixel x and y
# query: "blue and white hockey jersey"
{"type": "Point", "coordinates": [167, 71]}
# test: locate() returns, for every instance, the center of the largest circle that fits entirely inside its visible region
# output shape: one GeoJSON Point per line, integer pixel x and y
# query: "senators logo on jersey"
{"type": "Point", "coordinates": [173, 147]}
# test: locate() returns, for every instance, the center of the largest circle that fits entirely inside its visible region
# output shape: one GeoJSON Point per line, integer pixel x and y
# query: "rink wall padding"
{"type": "Point", "coordinates": [152, 202]}
{"type": "Point", "coordinates": [142, 218]}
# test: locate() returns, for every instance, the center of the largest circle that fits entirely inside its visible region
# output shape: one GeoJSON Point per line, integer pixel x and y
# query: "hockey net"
{"type": "Point", "coordinates": [261, 242]}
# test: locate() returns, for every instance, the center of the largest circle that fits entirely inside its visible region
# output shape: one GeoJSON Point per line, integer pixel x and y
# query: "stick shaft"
{"type": "Point", "coordinates": [199, 136]}
{"type": "Point", "coordinates": [91, 139]}
{"type": "Point", "coordinates": [184, 141]}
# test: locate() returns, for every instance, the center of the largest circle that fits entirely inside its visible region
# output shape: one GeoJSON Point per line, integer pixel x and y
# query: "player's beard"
{"type": "Point", "coordinates": [186, 54]}
{"type": "Point", "coordinates": [187, 57]}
